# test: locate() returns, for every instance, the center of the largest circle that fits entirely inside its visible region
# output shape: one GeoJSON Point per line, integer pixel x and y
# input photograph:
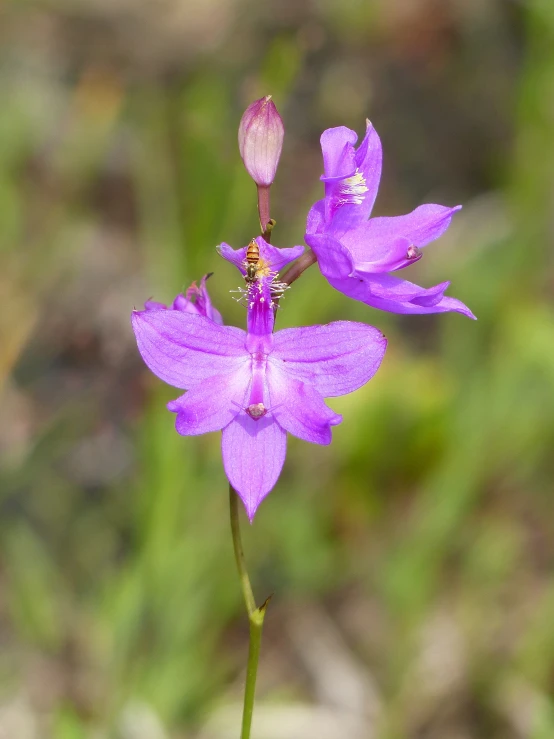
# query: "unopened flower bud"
{"type": "Point", "coordinates": [261, 133]}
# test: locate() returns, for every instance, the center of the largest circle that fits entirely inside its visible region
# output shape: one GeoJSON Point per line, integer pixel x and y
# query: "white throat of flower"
{"type": "Point", "coordinates": [352, 189]}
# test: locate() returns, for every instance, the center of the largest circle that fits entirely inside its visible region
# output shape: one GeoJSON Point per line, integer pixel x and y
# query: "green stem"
{"type": "Point", "coordinates": [239, 553]}
{"type": "Point", "coordinates": [251, 674]}
{"type": "Point", "coordinates": [255, 618]}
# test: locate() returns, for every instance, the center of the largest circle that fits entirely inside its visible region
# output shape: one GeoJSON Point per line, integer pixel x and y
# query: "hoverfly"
{"type": "Point", "coordinates": [254, 265]}
{"type": "Point", "coordinates": [256, 268]}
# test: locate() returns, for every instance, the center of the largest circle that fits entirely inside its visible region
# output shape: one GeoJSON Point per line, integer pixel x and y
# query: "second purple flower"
{"type": "Point", "coordinates": [354, 253]}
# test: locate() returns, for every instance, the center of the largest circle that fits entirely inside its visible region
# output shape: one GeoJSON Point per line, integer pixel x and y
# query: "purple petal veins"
{"type": "Point", "coordinates": [355, 253]}
{"type": "Point", "coordinates": [183, 349]}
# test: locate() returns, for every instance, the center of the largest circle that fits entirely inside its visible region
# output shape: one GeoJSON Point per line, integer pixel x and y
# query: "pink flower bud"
{"type": "Point", "coordinates": [261, 133]}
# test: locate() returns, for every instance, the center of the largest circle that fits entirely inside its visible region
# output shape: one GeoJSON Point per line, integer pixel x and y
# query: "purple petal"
{"type": "Point", "coordinates": [337, 146]}
{"type": "Point", "coordinates": [235, 256]}
{"type": "Point", "coordinates": [185, 304]}
{"type": "Point", "coordinates": [369, 160]}
{"type": "Point", "coordinates": [274, 257]}
{"type": "Point", "coordinates": [351, 178]}
{"type": "Point", "coordinates": [418, 228]}
{"type": "Point", "coordinates": [399, 296]}
{"type": "Point", "coordinates": [154, 305]}
{"type": "Point", "coordinates": [315, 222]}
{"type": "Point", "coordinates": [299, 408]}
{"type": "Point", "coordinates": [356, 210]}
{"type": "Point", "coordinates": [211, 405]}
{"type": "Point", "coordinates": [389, 287]}
{"type": "Point", "coordinates": [183, 349]}
{"type": "Point", "coordinates": [445, 305]}
{"type": "Point", "coordinates": [253, 457]}
{"type": "Point", "coordinates": [333, 258]}
{"type": "Point", "coordinates": [383, 258]}
{"type": "Point", "coordinates": [214, 315]}
{"type": "Point", "coordinates": [334, 359]}
{"type": "Point", "coordinates": [198, 300]}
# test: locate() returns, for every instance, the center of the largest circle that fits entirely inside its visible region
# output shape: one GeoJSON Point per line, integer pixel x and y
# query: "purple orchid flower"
{"type": "Point", "coordinates": [256, 386]}
{"type": "Point", "coordinates": [354, 253]}
{"type": "Point", "coordinates": [196, 300]}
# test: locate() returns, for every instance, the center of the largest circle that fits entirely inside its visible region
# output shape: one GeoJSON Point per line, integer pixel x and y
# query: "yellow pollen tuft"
{"type": "Point", "coordinates": [353, 189]}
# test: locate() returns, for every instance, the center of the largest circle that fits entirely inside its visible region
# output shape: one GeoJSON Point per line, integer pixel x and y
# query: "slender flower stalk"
{"type": "Point", "coordinates": [255, 618]}
{"type": "Point", "coordinates": [300, 266]}
{"type": "Point", "coordinates": [264, 210]}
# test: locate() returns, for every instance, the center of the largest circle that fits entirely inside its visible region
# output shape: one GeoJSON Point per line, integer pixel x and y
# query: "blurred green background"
{"type": "Point", "coordinates": [412, 561]}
